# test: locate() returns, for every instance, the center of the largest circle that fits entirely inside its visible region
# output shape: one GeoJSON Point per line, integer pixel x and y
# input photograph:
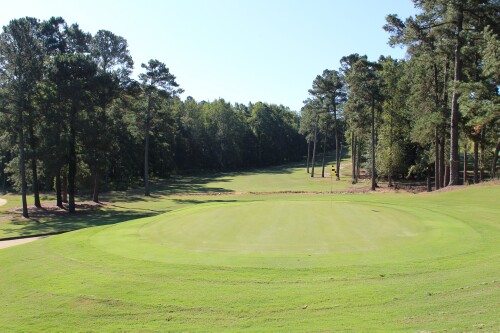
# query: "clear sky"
{"type": "Point", "coordinates": [240, 50]}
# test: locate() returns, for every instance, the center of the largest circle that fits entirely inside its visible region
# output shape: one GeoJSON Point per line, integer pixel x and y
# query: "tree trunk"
{"type": "Point", "coordinates": [455, 112]}
{"type": "Point", "coordinates": [35, 185]}
{"type": "Point", "coordinates": [447, 174]}
{"type": "Point", "coordinates": [442, 160]}
{"type": "Point", "coordinates": [146, 149]}
{"type": "Point", "coordinates": [4, 180]}
{"type": "Point", "coordinates": [22, 167]}
{"type": "Point", "coordinates": [429, 184]}
{"type": "Point", "coordinates": [353, 157]}
{"type": "Point", "coordinates": [65, 188]}
{"type": "Point", "coordinates": [436, 158]}
{"type": "Point", "coordinates": [59, 200]}
{"type": "Point", "coordinates": [476, 162]}
{"type": "Point", "coordinates": [72, 160]}
{"type": "Point", "coordinates": [465, 163]}
{"type": "Point", "coordinates": [389, 171]}
{"type": "Point", "coordinates": [337, 148]}
{"type": "Point", "coordinates": [494, 163]}
{"type": "Point", "coordinates": [374, 170]}
{"type": "Point", "coordinates": [442, 152]}
{"type": "Point", "coordinates": [358, 161]}
{"type": "Point", "coordinates": [95, 197]}
{"type": "Point", "coordinates": [314, 146]}
{"type": "Point", "coordinates": [308, 154]}
{"type": "Point", "coordinates": [481, 159]}
{"type": "Point", "coordinates": [324, 153]}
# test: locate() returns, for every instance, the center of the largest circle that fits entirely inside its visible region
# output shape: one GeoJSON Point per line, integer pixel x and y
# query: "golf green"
{"type": "Point", "coordinates": [286, 233]}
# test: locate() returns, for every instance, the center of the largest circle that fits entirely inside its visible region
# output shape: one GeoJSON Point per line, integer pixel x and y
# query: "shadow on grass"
{"type": "Point", "coordinates": [201, 184]}
{"type": "Point", "coordinates": [197, 202]}
{"type": "Point", "coordinates": [84, 218]}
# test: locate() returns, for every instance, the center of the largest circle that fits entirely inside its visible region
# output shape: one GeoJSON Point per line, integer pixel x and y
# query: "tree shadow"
{"type": "Point", "coordinates": [61, 221]}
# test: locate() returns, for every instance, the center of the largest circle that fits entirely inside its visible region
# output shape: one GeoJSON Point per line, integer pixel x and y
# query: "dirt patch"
{"type": "Point", "coordinates": [353, 190]}
{"type": "Point", "coordinates": [50, 210]}
{"type": "Point", "coordinates": [8, 243]}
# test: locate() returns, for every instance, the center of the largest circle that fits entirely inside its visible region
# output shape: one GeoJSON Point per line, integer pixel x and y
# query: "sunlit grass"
{"type": "Point", "coordinates": [287, 262]}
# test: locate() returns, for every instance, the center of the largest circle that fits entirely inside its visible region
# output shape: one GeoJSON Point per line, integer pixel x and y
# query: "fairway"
{"type": "Point", "coordinates": [282, 262]}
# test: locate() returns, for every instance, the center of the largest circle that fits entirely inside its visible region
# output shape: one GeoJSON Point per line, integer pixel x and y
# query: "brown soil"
{"type": "Point", "coordinates": [51, 210]}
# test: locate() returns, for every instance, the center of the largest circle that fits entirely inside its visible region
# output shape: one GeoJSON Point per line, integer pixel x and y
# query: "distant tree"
{"type": "Point", "coordinates": [364, 88]}
{"type": "Point", "coordinates": [75, 74]}
{"type": "Point", "coordinates": [114, 65]}
{"type": "Point", "coordinates": [157, 83]}
{"type": "Point", "coordinates": [330, 87]}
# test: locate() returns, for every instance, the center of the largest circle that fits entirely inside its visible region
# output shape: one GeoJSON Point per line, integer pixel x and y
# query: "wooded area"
{"type": "Point", "coordinates": [408, 118]}
{"type": "Point", "coordinates": [73, 119]}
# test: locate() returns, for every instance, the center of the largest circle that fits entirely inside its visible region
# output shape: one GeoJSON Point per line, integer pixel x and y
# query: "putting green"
{"type": "Point", "coordinates": [287, 234]}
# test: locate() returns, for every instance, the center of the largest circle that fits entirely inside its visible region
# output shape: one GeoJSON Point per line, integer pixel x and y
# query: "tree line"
{"type": "Point", "coordinates": [408, 118]}
{"type": "Point", "coordinates": [73, 119]}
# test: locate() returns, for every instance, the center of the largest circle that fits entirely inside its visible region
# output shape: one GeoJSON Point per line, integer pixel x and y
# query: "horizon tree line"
{"type": "Point", "coordinates": [73, 120]}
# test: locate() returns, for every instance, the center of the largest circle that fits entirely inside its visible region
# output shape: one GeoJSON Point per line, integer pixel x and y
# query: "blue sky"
{"type": "Point", "coordinates": [240, 50]}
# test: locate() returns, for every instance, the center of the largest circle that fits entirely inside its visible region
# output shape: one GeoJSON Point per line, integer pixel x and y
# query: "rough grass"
{"type": "Point", "coordinates": [392, 263]}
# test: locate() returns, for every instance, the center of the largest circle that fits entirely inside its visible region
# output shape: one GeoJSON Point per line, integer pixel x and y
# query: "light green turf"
{"type": "Point", "coordinates": [376, 262]}
{"type": "Point", "coordinates": [289, 177]}
{"type": "Point", "coordinates": [132, 204]}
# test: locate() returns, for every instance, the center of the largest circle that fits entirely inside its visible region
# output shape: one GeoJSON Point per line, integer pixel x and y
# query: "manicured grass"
{"type": "Point", "coordinates": [289, 177]}
{"type": "Point", "coordinates": [132, 204]}
{"type": "Point", "coordinates": [372, 262]}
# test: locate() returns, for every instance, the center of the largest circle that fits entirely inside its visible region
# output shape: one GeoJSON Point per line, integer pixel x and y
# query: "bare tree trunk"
{"type": "Point", "coordinates": [442, 152]}
{"type": "Point", "coordinates": [4, 180]}
{"type": "Point", "coordinates": [455, 112]}
{"type": "Point", "coordinates": [146, 149]}
{"type": "Point", "coordinates": [65, 188]}
{"type": "Point", "coordinates": [429, 184]}
{"type": "Point", "coordinates": [324, 153]}
{"type": "Point", "coordinates": [337, 146]}
{"type": "Point", "coordinates": [442, 160]}
{"type": "Point", "coordinates": [314, 146]}
{"type": "Point", "coordinates": [95, 197]}
{"type": "Point", "coordinates": [494, 163]}
{"type": "Point", "coordinates": [35, 185]}
{"type": "Point", "coordinates": [465, 163]}
{"type": "Point", "coordinates": [353, 157]}
{"type": "Point", "coordinates": [374, 169]}
{"type": "Point", "coordinates": [59, 200]}
{"type": "Point", "coordinates": [358, 161]}
{"type": "Point", "coordinates": [308, 154]}
{"type": "Point", "coordinates": [72, 161]}
{"type": "Point", "coordinates": [476, 160]}
{"type": "Point", "coordinates": [481, 159]}
{"type": "Point", "coordinates": [447, 174]}
{"type": "Point", "coordinates": [22, 167]}
{"type": "Point", "coordinates": [436, 159]}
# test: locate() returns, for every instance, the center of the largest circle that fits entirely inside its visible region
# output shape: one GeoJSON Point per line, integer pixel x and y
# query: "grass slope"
{"type": "Point", "coordinates": [426, 262]}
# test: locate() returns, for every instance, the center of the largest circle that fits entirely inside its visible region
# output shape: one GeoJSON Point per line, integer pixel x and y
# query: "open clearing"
{"type": "Point", "coordinates": [390, 262]}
